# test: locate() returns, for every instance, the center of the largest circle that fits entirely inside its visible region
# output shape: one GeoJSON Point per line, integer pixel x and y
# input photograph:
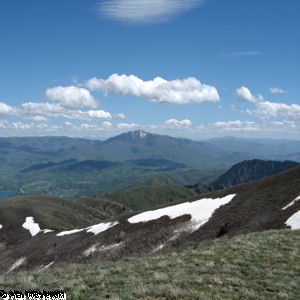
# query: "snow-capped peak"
{"type": "Point", "coordinates": [138, 134]}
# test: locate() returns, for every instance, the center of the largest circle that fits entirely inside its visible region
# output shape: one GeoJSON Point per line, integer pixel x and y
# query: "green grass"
{"type": "Point", "coordinates": [146, 197]}
{"type": "Point", "coordinates": [255, 266]}
{"type": "Point", "coordinates": [59, 213]}
{"type": "Point", "coordinates": [90, 182]}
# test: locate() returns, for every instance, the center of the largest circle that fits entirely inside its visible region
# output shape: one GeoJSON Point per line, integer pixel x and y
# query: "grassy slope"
{"type": "Point", "coordinates": [75, 180]}
{"type": "Point", "coordinates": [255, 266]}
{"type": "Point", "coordinates": [146, 197]}
{"type": "Point", "coordinates": [58, 213]}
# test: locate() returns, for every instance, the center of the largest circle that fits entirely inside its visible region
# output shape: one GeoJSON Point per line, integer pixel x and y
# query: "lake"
{"type": "Point", "coordinates": [5, 194]}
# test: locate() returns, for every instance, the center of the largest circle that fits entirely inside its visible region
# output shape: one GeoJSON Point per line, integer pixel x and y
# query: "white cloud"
{"type": "Point", "coordinates": [72, 97]}
{"type": "Point", "coordinates": [237, 125]}
{"type": "Point", "coordinates": [176, 123]}
{"type": "Point", "coordinates": [3, 124]}
{"type": "Point", "coordinates": [265, 109]}
{"type": "Point", "coordinates": [275, 90]}
{"type": "Point", "coordinates": [107, 124]}
{"type": "Point", "coordinates": [127, 126]}
{"type": "Point", "coordinates": [98, 114]}
{"type": "Point", "coordinates": [20, 125]}
{"type": "Point", "coordinates": [44, 111]}
{"type": "Point", "coordinates": [86, 126]}
{"type": "Point", "coordinates": [120, 116]}
{"type": "Point", "coordinates": [244, 94]}
{"type": "Point", "coordinates": [5, 109]}
{"type": "Point", "coordinates": [180, 91]}
{"type": "Point", "coordinates": [145, 11]}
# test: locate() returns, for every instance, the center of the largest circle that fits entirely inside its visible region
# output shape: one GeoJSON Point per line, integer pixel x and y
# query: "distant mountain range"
{"type": "Point", "coordinates": [73, 167]}
{"type": "Point", "coordinates": [38, 232]}
{"type": "Point", "coordinates": [267, 149]}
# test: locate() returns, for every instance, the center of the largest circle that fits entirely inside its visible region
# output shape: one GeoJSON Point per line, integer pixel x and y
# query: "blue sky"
{"type": "Point", "coordinates": [188, 68]}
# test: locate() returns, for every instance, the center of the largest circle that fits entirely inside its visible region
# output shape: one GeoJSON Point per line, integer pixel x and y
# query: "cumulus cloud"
{"type": "Point", "coordinates": [43, 111]}
{"type": "Point", "coordinates": [107, 124]}
{"type": "Point", "coordinates": [120, 116]}
{"type": "Point", "coordinates": [180, 91]}
{"type": "Point", "coordinates": [176, 123]}
{"type": "Point", "coordinates": [266, 109]}
{"type": "Point", "coordinates": [5, 109]}
{"type": "Point", "coordinates": [275, 90]}
{"type": "Point", "coordinates": [40, 111]}
{"type": "Point", "coordinates": [72, 97]}
{"type": "Point", "coordinates": [98, 114]}
{"type": "Point", "coordinates": [244, 94]}
{"type": "Point", "coordinates": [127, 126]}
{"type": "Point", "coordinates": [145, 11]}
{"type": "Point", "coordinates": [237, 125]}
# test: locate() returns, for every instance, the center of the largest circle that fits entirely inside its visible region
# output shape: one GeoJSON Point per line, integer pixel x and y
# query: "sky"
{"type": "Point", "coordinates": [187, 68]}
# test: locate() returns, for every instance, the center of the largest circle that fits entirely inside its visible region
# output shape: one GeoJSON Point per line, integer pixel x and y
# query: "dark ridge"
{"type": "Point", "coordinates": [89, 164]}
{"type": "Point", "coordinates": [47, 165]}
{"type": "Point", "coordinates": [250, 170]}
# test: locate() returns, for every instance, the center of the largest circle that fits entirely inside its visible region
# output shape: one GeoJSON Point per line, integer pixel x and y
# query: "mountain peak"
{"type": "Point", "coordinates": [138, 134]}
{"type": "Point", "coordinates": [133, 136]}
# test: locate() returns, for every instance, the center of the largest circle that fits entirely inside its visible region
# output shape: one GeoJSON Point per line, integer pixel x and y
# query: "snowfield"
{"type": "Point", "coordinates": [200, 211]}
{"type": "Point", "coordinates": [294, 221]}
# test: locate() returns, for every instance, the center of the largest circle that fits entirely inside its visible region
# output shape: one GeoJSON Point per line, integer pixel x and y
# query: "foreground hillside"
{"type": "Point", "coordinates": [254, 266]}
{"type": "Point", "coordinates": [31, 239]}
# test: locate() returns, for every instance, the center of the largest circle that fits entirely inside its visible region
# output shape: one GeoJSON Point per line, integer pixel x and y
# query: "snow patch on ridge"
{"type": "Point", "coordinates": [292, 203]}
{"type": "Point", "coordinates": [200, 211]}
{"type": "Point", "coordinates": [294, 221]}
{"type": "Point", "coordinates": [43, 268]}
{"type": "Point", "coordinates": [90, 250]}
{"type": "Point", "coordinates": [67, 232]}
{"type": "Point", "coordinates": [17, 264]}
{"type": "Point", "coordinates": [158, 248]}
{"type": "Point", "coordinates": [30, 225]}
{"type": "Point", "coordinates": [94, 248]}
{"type": "Point", "coordinates": [95, 229]}
{"type": "Point", "coordinates": [109, 247]}
{"type": "Point", "coordinates": [34, 228]}
{"type": "Point", "coordinates": [98, 228]}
